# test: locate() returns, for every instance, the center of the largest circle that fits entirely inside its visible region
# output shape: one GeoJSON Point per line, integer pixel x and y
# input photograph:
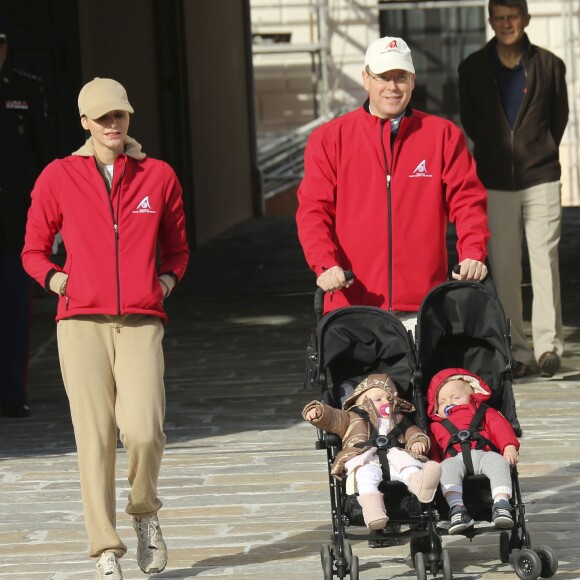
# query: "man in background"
{"type": "Point", "coordinates": [514, 106]}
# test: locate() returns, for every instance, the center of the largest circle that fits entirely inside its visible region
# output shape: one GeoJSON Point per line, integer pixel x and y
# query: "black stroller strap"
{"type": "Point", "coordinates": [382, 453]}
{"type": "Point", "coordinates": [465, 436]}
{"type": "Point", "coordinates": [383, 442]}
{"type": "Point", "coordinates": [391, 439]}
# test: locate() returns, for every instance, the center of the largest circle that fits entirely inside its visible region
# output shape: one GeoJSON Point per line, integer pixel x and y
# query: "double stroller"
{"type": "Point", "coordinates": [459, 325]}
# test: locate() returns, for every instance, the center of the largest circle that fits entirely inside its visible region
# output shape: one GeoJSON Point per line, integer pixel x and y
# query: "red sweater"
{"type": "Point", "coordinates": [495, 427]}
{"type": "Point", "coordinates": [393, 238]}
{"type": "Point", "coordinates": [111, 240]}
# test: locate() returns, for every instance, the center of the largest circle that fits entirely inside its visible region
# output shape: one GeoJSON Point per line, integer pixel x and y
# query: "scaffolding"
{"type": "Point", "coordinates": [280, 157]}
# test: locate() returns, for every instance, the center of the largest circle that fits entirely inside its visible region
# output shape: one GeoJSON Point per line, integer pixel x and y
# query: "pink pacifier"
{"type": "Point", "coordinates": [384, 410]}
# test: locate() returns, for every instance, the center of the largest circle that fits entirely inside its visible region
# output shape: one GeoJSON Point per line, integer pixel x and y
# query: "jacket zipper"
{"type": "Point", "coordinates": [389, 218]}
{"type": "Point", "coordinates": [513, 169]}
{"type": "Point", "coordinates": [116, 230]}
{"type": "Point", "coordinates": [513, 134]}
{"type": "Point", "coordinates": [513, 129]}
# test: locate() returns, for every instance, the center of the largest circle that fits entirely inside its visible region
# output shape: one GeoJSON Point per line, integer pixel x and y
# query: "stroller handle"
{"type": "Point", "coordinates": [319, 296]}
{"type": "Point", "coordinates": [487, 281]}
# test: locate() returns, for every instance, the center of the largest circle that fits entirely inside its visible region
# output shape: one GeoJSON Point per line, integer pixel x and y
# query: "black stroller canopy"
{"type": "Point", "coordinates": [356, 341]}
{"type": "Point", "coordinates": [462, 324]}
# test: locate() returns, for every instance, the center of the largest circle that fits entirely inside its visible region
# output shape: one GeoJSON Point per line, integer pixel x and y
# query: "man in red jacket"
{"type": "Point", "coordinates": [114, 207]}
{"type": "Point", "coordinates": [380, 185]}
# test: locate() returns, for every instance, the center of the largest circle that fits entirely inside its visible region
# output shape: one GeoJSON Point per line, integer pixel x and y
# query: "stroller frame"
{"type": "Point", "coordinates": [455, 338]}
{"type": "Point", "coordinates": [481, 344]}
{"type": "Point", "coordinates": [400, 360]}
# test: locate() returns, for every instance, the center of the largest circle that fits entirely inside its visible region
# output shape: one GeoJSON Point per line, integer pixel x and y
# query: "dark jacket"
{"type": "Point", "coordinates": [24, 150]}
{"type": "Point", "coordinates": [527, 155]}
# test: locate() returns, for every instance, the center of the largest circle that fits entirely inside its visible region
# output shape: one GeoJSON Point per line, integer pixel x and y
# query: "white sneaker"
{"type": "Point", "coordinates": [151, 548]}
{"type": "Point", "coordinates": [108, 567]}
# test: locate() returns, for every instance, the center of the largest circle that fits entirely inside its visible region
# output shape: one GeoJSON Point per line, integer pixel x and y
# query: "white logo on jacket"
{"type": "Point", "coordinates": [144, 206]}
{"type": "Point", "coordinates": [421, 170]}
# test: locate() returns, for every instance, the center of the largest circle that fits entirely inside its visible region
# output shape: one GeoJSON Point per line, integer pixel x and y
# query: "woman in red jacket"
{"type": "Point", "coordinates": [114, 207]}
{"type": "Point", "coordinates": [456, 405]}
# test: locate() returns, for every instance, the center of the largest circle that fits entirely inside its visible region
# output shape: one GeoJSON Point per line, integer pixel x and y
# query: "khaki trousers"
{"type": "Point", "coordinates": [112, 370]}
{"type": "Point", "coordinates": [537, 211]}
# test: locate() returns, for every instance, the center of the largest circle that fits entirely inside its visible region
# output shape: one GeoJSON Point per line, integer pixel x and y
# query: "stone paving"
{"type": "Point", "coordinates": [245, 492]}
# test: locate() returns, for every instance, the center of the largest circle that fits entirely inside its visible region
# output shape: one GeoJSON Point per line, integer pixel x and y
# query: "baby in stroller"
{"type": "Point", "coordinates": [375, 411]}
{"type": "Point", "coordinates": [470, 437]}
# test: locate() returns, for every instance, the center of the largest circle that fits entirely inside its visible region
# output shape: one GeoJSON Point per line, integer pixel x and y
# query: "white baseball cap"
{"type": "Point", "coordinates": [389, 53]}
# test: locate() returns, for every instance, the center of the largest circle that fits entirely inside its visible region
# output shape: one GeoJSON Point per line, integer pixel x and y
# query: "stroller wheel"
{"type": "Point", "coordinates": [504, 547]}
{"type": "Point", "coordinates": [549, 561]}
{"type": "Point", "coordinates": [446, 565]}
{"type": "Point", "coordinates": [326, 559]}
{"type": "Point", "coordinates": [419, 544]}
{"type": "Point", "coordinates": [420, 567]}
{"type": "Point", "coordinates": [528, 565]}
{"type": "Point", "coordinates": [347, 552]}
{"type": "Point", "coordinates": [354, 568]}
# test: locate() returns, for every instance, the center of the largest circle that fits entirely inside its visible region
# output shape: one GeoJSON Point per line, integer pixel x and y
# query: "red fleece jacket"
{"type": "Point", "coordinates": [494, 427]}
{"type": "Point", "coordinates": [392, 237]}
{"type": "Point", "coordinates": [111, 239]}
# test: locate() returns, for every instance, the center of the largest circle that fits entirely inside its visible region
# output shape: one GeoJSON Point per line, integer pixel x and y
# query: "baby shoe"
{"type": "Point", "coordinates": [501, 515]}
{"type": "Point", "coordinates": [460, 520]}
{"type": "Point", "coordinates": [423, 483]}
{"type": "Point", "coordinates": [374, 513]}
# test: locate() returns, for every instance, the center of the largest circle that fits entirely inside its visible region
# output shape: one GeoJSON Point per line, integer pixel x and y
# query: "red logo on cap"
{"type": "Point", "coordinates": [393, 44]}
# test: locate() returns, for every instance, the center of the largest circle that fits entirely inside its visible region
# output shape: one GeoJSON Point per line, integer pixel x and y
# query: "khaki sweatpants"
{"type": "Point", "coordinates": [537, 211]}
{"type": "Point", "coordinates": [112, 370]}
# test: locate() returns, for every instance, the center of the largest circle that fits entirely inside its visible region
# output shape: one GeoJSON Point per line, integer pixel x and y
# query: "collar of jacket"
{"type": "Point", "coordinates": [373, 120]}
{"type": "Point", "coordinates": [526, 55]}
{"type": "Point", "coordinates": [132, 149]}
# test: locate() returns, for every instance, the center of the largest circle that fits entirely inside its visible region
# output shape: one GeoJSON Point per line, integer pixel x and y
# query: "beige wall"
{"type": "Point", "coordinates": [219, 121]}
{"type": "Point", "coordinates": [118, 40]}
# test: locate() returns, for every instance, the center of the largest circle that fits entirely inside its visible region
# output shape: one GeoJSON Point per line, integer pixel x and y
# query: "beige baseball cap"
{"type": "Point", "coordinates": [100, 96]}
{"type": "Point", "coordinates": [389, 53]}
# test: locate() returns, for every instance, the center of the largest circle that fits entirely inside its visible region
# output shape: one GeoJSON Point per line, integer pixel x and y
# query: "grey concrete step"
{"type": "Point", "coordinates": [245, 493]}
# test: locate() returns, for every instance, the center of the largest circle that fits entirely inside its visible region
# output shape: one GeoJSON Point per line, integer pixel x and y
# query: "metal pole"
{"type": "Point", "coordinates": [322, 14]}
{"type": "Point", "coordinates": [569, 10]}
{"type": "Point", "coordinates": [432, 4]}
